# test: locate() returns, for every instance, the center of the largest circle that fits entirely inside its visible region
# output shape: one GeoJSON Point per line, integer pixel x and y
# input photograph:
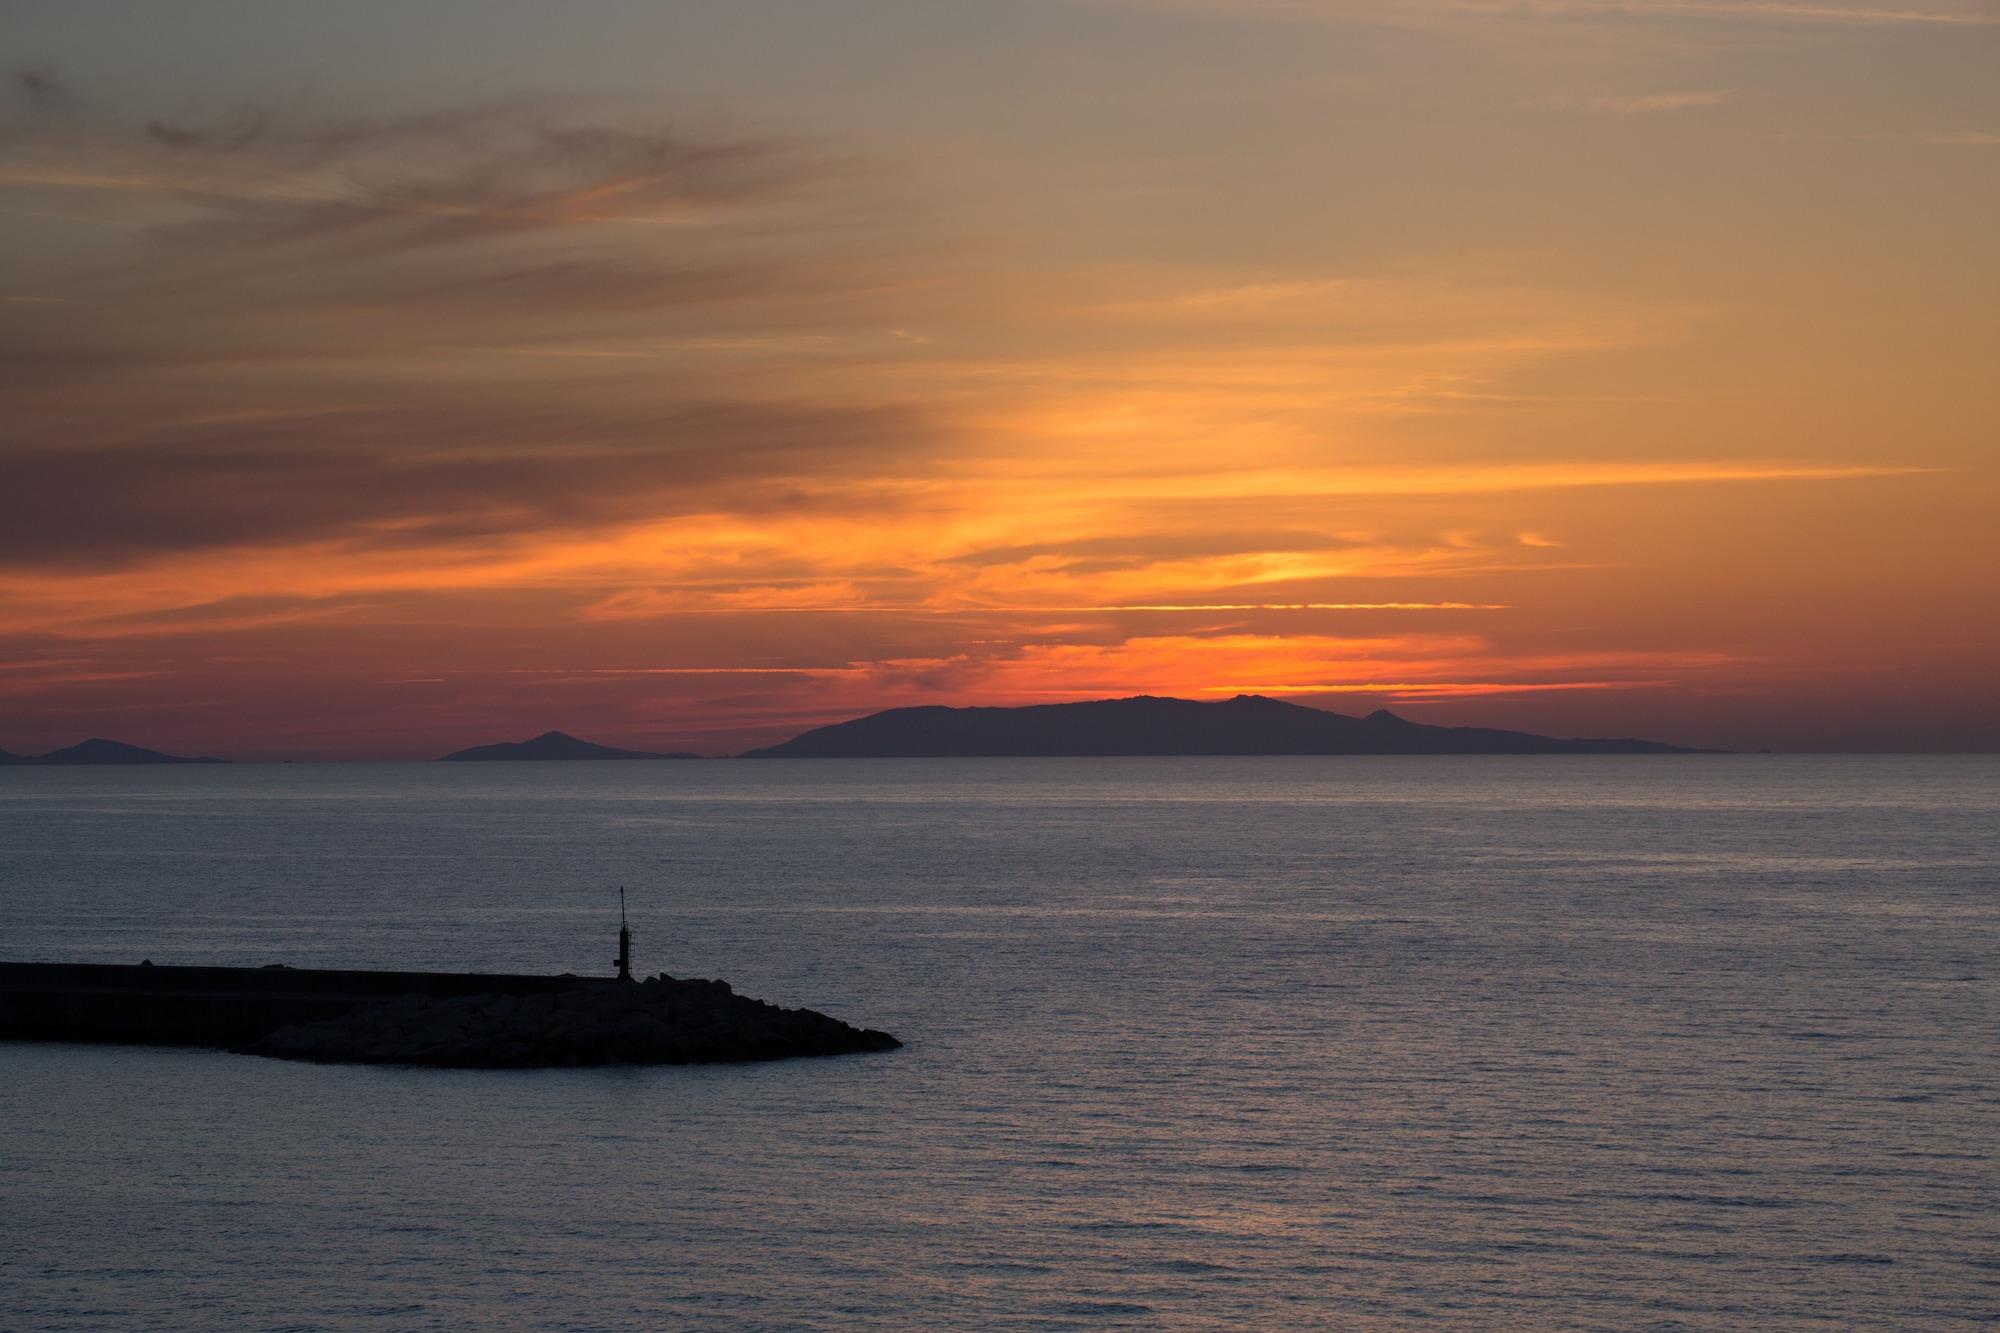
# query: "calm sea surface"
{"type": "Point", "coordinates": [1532, 1043]}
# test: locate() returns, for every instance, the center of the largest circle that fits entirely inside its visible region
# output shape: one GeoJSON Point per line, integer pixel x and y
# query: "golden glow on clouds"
{"type": "Point", "coordinates": [452, 424]}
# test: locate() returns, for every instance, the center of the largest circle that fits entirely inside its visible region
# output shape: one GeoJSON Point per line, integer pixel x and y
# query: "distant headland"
{"type": "Point", "coordinates": [100, 751]}
{"type": "Point", "coordinates": [554, 745]}
{"type": "Point", "coordinates": [1248, 724]}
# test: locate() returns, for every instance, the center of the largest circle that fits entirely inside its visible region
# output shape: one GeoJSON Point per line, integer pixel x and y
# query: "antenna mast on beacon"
{"type": "Point", "coordinates": [624, 940]}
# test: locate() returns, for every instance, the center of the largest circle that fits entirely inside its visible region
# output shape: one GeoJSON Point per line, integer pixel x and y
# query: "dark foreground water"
{"type": "Point", "coordinates": [1532, 1043]}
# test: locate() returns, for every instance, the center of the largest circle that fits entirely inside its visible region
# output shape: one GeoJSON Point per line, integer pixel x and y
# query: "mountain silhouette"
{"type": "Point", "coordinates": [555, 745]}
{"type": "Point", "coordinates": [1249, 724]}
{"type": "Point", "coordinates": [100, 751]}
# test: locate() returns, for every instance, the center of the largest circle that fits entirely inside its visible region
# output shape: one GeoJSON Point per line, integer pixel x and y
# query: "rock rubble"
{"type": "Point", "coordinates": [657, 1021]}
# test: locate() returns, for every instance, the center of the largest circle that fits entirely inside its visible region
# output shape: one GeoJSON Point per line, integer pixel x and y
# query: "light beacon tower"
{"type": "Point", "coordinates": [624, 939]}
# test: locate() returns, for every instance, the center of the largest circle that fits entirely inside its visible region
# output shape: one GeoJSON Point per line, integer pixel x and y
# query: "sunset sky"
{"type": "Point", "coordinates": [383, 378]}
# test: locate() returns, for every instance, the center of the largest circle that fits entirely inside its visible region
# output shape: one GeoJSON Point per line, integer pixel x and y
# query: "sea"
{"type": "Point", "coordinates": [1687, 1042]}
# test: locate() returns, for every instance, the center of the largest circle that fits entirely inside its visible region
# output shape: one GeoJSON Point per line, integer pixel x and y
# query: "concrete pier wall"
{"type": "Point", "coordinates": [216, 1006]}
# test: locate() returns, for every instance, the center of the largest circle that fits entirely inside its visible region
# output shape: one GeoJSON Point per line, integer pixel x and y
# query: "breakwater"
{"type": "Point", "coordinates": [476, 1020]}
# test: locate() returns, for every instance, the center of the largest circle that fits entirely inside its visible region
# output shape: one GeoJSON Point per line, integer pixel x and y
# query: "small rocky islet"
{"type": "Point", "coordinates": [661, 1020]}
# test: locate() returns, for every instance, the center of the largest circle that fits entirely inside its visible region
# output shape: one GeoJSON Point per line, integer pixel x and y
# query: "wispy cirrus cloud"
{"type": "Point", "coordinates": [1964, 13]}
{"type": "Point", "coordinates": [1941, 138]}
{"type": "Point", "coordinates": [378, 331]}
{"type": "Point", "coordinates": [1639, 104]}
{"type": "Point", "coordinates": [419, 476]}
{"type": "Point", "coordinates": [1805, 13]}
{"type": "Point", "coordinates": [1411, 667]}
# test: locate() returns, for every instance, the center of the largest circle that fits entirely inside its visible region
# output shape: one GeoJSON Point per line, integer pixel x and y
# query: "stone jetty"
{"type": "Point", "coordinates": [657, 1021]}
{"type": "Point", "coordinates": [441, 1019]}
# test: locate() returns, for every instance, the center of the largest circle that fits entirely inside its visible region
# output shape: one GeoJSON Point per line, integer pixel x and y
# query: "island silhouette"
{"type": "Point", "coordinates": [100, 751]}
{"type": "Point", "coordinates": [1248, 724]}
{"type": "Point", "coordinates": [554, 745]}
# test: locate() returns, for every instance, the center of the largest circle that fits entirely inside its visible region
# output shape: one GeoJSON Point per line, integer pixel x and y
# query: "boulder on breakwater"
{"type": "Point", "coordinates": [657, 1021]}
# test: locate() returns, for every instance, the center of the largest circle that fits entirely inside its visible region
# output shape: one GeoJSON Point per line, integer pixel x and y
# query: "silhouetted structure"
{"type": "Point", "coordinates": [624, 939]}
{"type": "Point", "coordinates": [469, 1020]}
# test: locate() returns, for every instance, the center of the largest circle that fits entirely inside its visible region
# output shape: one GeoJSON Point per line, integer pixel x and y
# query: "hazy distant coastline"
{"type": "Point", "coordinates": [554, 745]}
{"type": "Point", "coordinates": [1144, 725]}
{"type": "Point", "coordinates": [1245, 725]}
{"type": "Point", "coordinates": [1163, 727]}
{"type": "Point", "coordinates": [99, 751]}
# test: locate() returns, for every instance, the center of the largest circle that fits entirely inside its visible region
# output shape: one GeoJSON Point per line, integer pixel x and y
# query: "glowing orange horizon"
{"type": "Point", "coordinates": [349, 432]}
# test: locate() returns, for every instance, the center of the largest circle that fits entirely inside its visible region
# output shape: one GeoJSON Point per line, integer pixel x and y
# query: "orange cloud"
{"type": "Point", "coordinates": [718, 435]}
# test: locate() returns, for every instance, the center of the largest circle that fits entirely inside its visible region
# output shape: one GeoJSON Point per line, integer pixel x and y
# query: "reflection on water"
{"type": "Point", "coordinates": [1540, 1042]}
